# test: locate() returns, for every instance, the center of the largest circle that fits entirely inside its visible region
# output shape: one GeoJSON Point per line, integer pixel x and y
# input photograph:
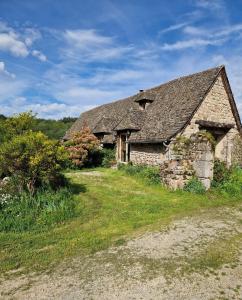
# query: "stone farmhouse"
{"type": "Point", "coordinates": [151, 126]}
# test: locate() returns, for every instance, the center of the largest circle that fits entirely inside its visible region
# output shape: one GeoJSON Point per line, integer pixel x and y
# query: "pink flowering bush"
{"type": "Point", "coordinates": [81, 146]}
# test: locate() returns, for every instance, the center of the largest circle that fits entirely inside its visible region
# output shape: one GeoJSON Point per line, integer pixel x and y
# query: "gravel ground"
{"type": "Point", "coordinates": [166, 264]}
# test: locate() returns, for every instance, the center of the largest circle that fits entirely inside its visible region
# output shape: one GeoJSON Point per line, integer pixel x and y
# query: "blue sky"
{"type": "Point", "coordinates": [59, 58]}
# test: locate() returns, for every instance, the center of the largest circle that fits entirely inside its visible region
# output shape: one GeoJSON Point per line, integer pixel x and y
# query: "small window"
{"type": "Point", "coordinates": [144, 104]}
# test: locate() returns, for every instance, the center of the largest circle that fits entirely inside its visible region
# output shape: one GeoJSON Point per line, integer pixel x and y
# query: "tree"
{"type": "Point", "coordinates": [16, 125]}
{"type": "Point", "coordinates": [32, 159]}
{"type": "Point", "coordinates": [81, 146]}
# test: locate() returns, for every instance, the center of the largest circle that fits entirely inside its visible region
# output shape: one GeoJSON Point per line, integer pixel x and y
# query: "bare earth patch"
{"type": "Point", "coordinates": [193, 258]}
{"type": "Point", "coordinates": [91, 173]}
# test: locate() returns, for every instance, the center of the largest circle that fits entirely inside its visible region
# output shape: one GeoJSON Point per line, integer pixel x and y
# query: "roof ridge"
{"type": "Point", "coordinates": [187, 76]}
{"type": "Point", "coordinates": [157, 86]}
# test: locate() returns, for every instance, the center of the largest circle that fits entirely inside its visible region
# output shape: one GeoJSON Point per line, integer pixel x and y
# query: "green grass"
{"type": "Point", "coordinates": [112, 208]}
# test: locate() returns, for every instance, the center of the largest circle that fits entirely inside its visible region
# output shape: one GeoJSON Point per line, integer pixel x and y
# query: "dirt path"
{"type": "Point", "coordinates": [193, 258]}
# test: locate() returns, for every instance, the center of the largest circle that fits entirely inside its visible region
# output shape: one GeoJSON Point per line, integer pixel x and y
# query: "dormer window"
{"type": "Point", "coordinates": [143, 104]}
{"type": "Point", "coordinates": [144, 98]}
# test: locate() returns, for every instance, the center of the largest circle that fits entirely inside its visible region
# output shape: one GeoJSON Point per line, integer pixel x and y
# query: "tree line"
{"type": "Point", "coordinates": [53, 129]}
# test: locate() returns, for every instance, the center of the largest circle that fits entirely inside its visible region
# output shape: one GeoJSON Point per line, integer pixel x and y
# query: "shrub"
{"type": "Point", "coordinates": [16, 125]}
{"type": "Point", "coordinates": [81, 146]}
{"type": "Point", "coordinates": [227, 180]}
{"type": "Point", "coordinates": [221, 173]}
{"type": "Point", "coordinates": [29, 212]}
{"type": "Point", "coordinates": [151, 174]}
{"type": "Point", "coordinates": [108, 157]}
{"type": "Point", "coordinates": [194, 186]}
{"type": "Point", "coordinates": [233, 184]}
{"type": "Point", "coordinates": [31, 159]}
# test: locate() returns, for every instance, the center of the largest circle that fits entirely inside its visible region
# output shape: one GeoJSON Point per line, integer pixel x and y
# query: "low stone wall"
{"type": "Point", "coordinates": [176, 172]}
{"type": "Point", "coordinates": [191, 157]}
{"type": "Point", "coordinates": [147, 154]}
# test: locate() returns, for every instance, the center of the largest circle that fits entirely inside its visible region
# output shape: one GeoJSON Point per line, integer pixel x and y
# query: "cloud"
{"type": "Point", "coordinates": [196, 31]}
{"type": "Point", "coordinates": [89, 45]}
{"type": "Point", "coordinates": [224, 31]}
{"type": "Point", "coordinates": [86, 38]}
{"type": "Point", "coordinates": [50, 110]}
{"type": "Point", "coordinates": [57, 110]}
{"type": "Point", "coordinates": [10, 42]}
{"type": "Point", "coordinates": [4, 71]}
{"type": "Point", "coordinates": [192, 43]}
{"type": "Point", "coordinates": [210, 4]}
{"type": "Point", "coordinates": [39, 55]}
{"type": "Point", "coordinates": [19, 43]}
{"type": "Point", "coordinates": [173, 27]}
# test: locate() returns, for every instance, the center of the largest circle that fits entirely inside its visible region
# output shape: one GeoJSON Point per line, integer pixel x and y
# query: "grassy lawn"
{"type": "Point", "coordinates": [111, 207]}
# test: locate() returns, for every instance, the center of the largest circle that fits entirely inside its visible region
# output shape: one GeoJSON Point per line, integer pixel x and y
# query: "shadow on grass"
{"type": "Point", "coordinates": [77, 188]}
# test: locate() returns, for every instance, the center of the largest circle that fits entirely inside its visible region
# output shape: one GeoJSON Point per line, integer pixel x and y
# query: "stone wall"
{"type": "Point", "coordinates": [194, 156]}
{"type": "Point", "coordinates": [216, 108]}
{"type": "Point", "coordinates": [147, 154]}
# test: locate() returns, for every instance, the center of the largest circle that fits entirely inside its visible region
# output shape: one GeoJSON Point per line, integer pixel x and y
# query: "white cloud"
{"type": "Point", "coordinates": [19, 43]}
{"type": "Point", "coordinates": [213, 33]}
{"type": "Point", "coordinates": [86, 38]}
{"type": "Point", "coordinates": [174, 27]}
{"type": "Point", "coordinates": [49, 110]}
{"type": "Point", "coordinates": [4, 71]}
{"type": "Point", "coordinates": [196, 31]}
{"type": "Point", "coordinates": [210, 4]}
{"type": "Point", "coordinates": [39, 55]}
{"type": "Point", "coordinates": [89, 45]}
{"type": "Point", "coordinates": [10, 42]}
{"type": "Point", "coordinates": [192, 43]}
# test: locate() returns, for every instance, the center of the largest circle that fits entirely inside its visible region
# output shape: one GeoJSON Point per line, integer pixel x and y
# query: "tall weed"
{"type": "Point", "coordinates": [26, 212]}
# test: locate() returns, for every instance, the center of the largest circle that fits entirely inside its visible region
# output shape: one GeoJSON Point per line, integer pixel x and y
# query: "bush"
{"type": "Point", "coordinates": [151, 174]}
{"type": "Point", "coordinates": [32, 159]}
{"type": "Point", "coordinates": [28, 212]}
{"type": "Point", "coordinates": [82, 146]}
{"type": "Point", "coordinates": [227, 180]}
{"type": "Point", "coordinates": [221, 173]}
{"type": "Point", "coordinates": [108, 157]}
{"type": "Point", "coordinates": [233, 184]}
{"type": "Point", "coordinates": [194, 186]}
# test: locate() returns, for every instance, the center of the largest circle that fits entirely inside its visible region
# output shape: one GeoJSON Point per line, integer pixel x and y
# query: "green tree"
{"type": "Point", "coordinates": [54, 129]}
{"type": "Point", "coordinates": [16, 125]}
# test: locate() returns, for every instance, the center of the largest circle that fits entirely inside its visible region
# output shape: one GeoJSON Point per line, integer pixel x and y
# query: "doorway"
{"type": "Point", "coordinates": [124, 148]}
